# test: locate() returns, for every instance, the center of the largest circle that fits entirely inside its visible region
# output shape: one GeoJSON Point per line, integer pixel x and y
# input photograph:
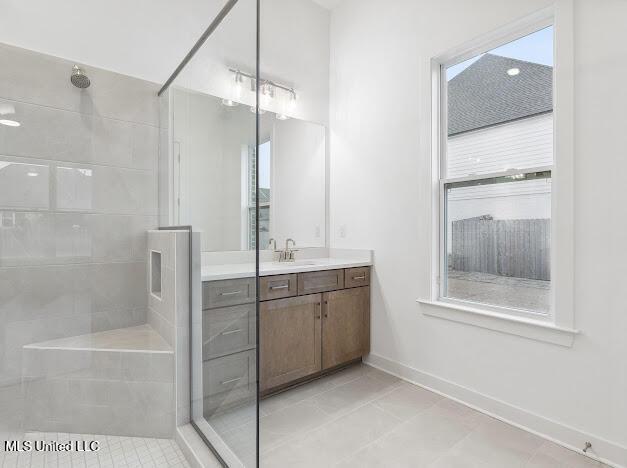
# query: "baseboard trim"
{"type": "Point", "coordinates": [610, 453]}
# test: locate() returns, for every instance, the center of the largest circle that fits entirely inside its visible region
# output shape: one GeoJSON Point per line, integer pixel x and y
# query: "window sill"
{"type": "Point", "coordinates": [528, 328]}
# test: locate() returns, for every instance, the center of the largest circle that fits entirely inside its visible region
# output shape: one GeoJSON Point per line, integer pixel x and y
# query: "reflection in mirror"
{"type": "Point", "coordinates": [214, 186]}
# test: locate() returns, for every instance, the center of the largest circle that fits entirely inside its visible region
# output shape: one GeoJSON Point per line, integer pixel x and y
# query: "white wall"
{"type": "Point", "coordinates": [211, 138]}
{"type": "Point", "coordinates": [380, 96]}
{"type": "Point", "coordinates": [148, 39]}
{"type": "Point", "coordinates": [298, 191]}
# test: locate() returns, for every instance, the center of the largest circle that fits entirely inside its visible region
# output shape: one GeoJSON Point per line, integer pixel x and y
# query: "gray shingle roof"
{"type": "Point", "coordinates": [484, 94]}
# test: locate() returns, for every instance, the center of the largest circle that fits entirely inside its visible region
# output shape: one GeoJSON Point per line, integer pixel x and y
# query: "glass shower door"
{"type": "Point", "coordinates": [213, 115]}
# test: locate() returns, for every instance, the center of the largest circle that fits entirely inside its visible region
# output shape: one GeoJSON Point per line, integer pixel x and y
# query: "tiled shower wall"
{"type": "Point", "coordinates": [78, 190]}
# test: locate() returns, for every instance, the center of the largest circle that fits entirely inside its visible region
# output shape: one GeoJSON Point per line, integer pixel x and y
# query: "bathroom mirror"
{"type": "Point", "coordinates": [214, 174]}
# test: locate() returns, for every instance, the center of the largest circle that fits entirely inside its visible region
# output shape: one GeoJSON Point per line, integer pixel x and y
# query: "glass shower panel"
{"type": "Point", "coordinates": [214, 184]}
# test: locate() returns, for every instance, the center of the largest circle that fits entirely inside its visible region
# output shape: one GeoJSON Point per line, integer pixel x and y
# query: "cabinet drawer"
{"type": "Point", "coordinates": [355, 277]}
{"type": "Point", "coordinates": [228, 292]}
{"type": "Point", "coordinates": [320, 281]}
{"type": "Point", "coordinates": [228, 372]}
{"type": "Point", "coordinates": [278, 287]}
{"type": "Point", "coordinates": [228, 381]}
{"type": "Point", "coordinates": [228, 330]}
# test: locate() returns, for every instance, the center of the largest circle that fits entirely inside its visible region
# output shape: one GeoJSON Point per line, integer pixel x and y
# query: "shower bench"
{"type": "Point", "coordinates": [118, 382]}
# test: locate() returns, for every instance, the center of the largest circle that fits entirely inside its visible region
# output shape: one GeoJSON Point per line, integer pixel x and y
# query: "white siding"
{"type": "Point", "coordinates": [516, 145]}
{"type": "Point", "coordinates": [520, 144]}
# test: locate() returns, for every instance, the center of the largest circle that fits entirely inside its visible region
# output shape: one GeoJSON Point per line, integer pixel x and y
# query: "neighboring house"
{"type": "Point", "coordinates": [494, 117]}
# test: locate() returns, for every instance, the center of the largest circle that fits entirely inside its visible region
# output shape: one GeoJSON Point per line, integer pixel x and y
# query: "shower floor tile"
{"type": "Point", "coordinates": [114, 452]}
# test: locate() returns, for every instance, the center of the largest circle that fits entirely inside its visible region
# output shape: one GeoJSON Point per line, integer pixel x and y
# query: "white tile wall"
{"type": "Point", "coordinates": [78, 190]}
{"type": "Point", "coordinates": [99, 391]}
{"type": "Point", "coordinates": [169, 314]}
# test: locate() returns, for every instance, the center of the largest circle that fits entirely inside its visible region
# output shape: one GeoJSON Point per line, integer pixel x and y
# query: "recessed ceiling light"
{"type": "Point", "coordinates": [32, 174]}
{"type": "Point", "coordinates": [513, 71]}
{"type": "Point", "coordinates": [10, 123]}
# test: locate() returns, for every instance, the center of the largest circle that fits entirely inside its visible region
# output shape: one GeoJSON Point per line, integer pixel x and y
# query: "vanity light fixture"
{"type": "Point", "coordinates": [268, 89]}
{"type": "Point", "coordinates": [9, 123]}
{"type": "Point", "coordinates": [513, 71]}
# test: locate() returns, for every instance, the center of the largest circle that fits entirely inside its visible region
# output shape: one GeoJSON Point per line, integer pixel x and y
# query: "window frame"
{"type": "Point", "coordinates": [251, 191]}
{"type": "Point", "coordinates": [557, 327]}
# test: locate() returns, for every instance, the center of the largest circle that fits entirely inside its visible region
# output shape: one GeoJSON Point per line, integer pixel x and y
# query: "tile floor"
{"type": "Point", "coordinates": [362, 417]}
{"type": "Point", "coordinates": [114, 452]}
{"type": "Point", "coordinates": [357, 418]}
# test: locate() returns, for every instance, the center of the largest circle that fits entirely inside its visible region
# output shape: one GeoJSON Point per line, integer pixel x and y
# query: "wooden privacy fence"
{"type": "Point", "coordinates": [515, 247]}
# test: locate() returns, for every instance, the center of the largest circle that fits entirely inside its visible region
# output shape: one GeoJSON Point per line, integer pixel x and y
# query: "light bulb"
{"type": "Point", "coordinates": [513, 71]}
{"type": "Point", "coordinates": [292, 101]}
{"type": "Point", "coordinates": [237, 87]}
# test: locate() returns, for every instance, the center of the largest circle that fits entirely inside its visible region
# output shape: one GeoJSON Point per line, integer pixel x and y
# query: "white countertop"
{"type": "Point", "coordinates": [246, 270]}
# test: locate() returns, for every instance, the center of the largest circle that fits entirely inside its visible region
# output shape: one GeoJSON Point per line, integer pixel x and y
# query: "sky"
{"type": "Point", "coordinates": [536, 47]}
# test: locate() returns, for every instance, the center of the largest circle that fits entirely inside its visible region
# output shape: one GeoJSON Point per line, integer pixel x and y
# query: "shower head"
{"type": "Point", "coordinates": [78, 78]}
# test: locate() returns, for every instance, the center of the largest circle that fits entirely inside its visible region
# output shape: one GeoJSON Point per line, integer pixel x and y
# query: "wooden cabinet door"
{"type": "Point", "coordinates": [345, 326]}
{"type": "Point", "coordinates": [290, 339]}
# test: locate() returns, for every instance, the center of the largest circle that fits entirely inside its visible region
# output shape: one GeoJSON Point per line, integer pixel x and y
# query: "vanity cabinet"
{"type": "Point", "coordinates": [325, 326]}
{"type": "Point", "coordinates": [309, 323]}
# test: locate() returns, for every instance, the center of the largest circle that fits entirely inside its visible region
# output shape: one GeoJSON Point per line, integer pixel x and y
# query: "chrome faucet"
{"type": "Point", "coordinates": [287, 255]}
{"type": "Point", "coordinates": [271, 242]}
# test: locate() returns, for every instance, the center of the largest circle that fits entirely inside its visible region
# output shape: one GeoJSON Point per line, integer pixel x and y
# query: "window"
{"type": "Point", "coordinates": [264, 161]}
{"type": "Point", "coordinates": [496, 166]}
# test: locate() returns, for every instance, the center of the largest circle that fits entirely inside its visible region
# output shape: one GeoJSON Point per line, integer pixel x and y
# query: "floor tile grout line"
{"type": "Point", "coordinates": [385, 434]}
{"type": "Point", "coordinates": [329, 390]}
{"type": "Point", "coordinates": [472, 431]}
{"type": "Point", "coordinates": [319, 393]}
{"type": "Point", "coordinates": [291, 404]}
{"type": "Point", "coordinates": [335, 419]}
